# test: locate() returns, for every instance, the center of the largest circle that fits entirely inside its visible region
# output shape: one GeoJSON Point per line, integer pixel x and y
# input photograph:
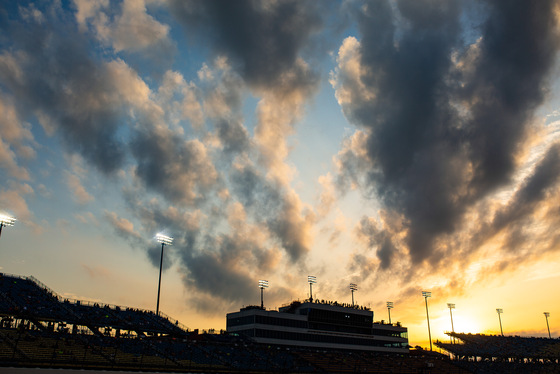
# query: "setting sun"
{"type": "Point", "coordinates": [398, 146]}
{"type": "Point", "coordinates": [466, 324]}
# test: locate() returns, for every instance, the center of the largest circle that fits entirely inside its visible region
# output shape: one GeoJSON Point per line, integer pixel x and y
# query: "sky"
{"type": "Point", "coordinates": [404, 146]}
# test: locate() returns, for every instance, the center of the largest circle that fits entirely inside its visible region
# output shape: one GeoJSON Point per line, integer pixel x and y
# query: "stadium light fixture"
{"type": "Point", "coordinates": [546, 315]}
{"type": "Point", "coordinates": [390, 306]}
{"type": "Point", "coordinates": [353, 287]}
{"type": "Point", "coordinates": [500, 311]}
{"type": "Point", "coordinates": [427, 294]}
{"type": "Point", "coordinates": [451, 306]}
{"type": "Point", "coordinates": [311, 279]}
{"type": "Point", "coordinates": [6, 220]}
{"type": "Point", "coordinates": [164, 240]}
{"type": "Point", "coordinates": [262, 285]}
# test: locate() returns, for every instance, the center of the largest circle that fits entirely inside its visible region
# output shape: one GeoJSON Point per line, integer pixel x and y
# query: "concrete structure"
{"type": "Point", "coordinates": [319, 325]}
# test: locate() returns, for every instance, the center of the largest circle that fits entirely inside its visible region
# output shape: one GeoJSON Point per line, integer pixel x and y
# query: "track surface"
{"type": "Point", "coordinates": [6, 370]}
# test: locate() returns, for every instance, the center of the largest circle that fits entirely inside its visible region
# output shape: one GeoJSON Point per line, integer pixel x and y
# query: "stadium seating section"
{"type": "Point", "coordinates": [39, 328]}
{"type": "Point", "coordinates": [503, 354]}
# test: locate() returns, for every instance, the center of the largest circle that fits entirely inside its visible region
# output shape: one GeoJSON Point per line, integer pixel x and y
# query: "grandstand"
{"type": "Point", "coordinates": [504, 354]}
{"type": "Point", "coordinates": [39, 328]}
{"type": "Point", "coordinates": [26, 298]}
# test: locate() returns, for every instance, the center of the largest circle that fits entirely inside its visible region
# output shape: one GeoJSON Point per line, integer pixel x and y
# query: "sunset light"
{"type": "Point", "coordinates": [411, 148]}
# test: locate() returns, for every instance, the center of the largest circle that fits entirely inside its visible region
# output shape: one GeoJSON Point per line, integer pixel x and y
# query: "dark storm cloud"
{"type": "Point", "coordinates": [178, 169]}
{"type": "Point", "coordinates": [208, 274]}
{"type": "Point", "coordinates": [291, 229]}
{"type": "Point", "coordinates": [154, 255]}
{"type": "Point", "coordinates": [255, 193]}
{"type": "Point", "coordinates": [224, 266]}
{"type": "Point", "coordinates": [271, 205]}
{"type": "Point", "coordinates": [216, 269]}
{"type": "Point", "coordinates": [430, 161]}
{"type": "Point", "coordinates": [378, 239]}
{"type": "Point", "coordinates": [410, 115]}
{"type": "Point", "coordinates": [124, 228]}
{"type": "Point", "coordinates": [534, 191]}
{"type": "Point", "coordinates": [263, 42]}
{"type": "Point", "coordinates": [155, 217]}
{"type": "Point", "coordinates": [262, 38]}
{"type": "Point", "coordinates": [60, 80]}
{"type": "Point", "coordinates": [70, 83]}
{"type": "Point", "coordinates": [520, 43]}
{"type": "Point", "coordinates": [219, 265]}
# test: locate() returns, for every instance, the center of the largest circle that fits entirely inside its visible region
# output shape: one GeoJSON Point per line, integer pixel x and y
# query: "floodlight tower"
{"type": "Point", "coordinates": [451, 306]}
{"type": "Point", "coordinates": [500, 311]}
{"type": "Point", "coordinates": [6, 221]}
{"type": "Point", "coordinates": [164, 240]}
{"type": "Point", "coordinates": [353, 287]}
{"type": "Point", "coordinates": [311, 279]}
{"type": "Point", "coordinates": [262, 285]}
{"type": "Point", "coordinates": [427, 294]}
{"type": "Point", "coordinates": [546, 315]}
{"type": "Point", "coordinates": [389, 307]}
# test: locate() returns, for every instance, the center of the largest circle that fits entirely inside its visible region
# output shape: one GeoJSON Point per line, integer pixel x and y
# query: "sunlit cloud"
{"type": "Point", "coordinates": [78, 190]}
{"type": "Point", "coordinates": [15, 140]}
{"type": "Point", "coordinates": [132, 29]}
{"type": "Point", "coordinates": [121, 225]}
{"type": "Point", "coordinates": [198, 119]}
{"type": "Point", "coordinates": [13, 198]}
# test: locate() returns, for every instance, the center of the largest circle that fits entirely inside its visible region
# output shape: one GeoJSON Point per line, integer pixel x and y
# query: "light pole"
{"type": "Point", "coordinates": [262, 285]}
{"type": "Point", "coordinates": [6, 221]}
{"type": "Point", "coordinates": [389, 307]}
{"type": "Point", "coordinates": [311, 279]}
{"type": "Point", "coordinates": [353, 287]}
{"type": "Point", "coordinates": [427, 294]}
{"type": "Point", "coordinates": [164, 240]}
{"type": "Point", "coordinates": [500, 311]}
{"type": "Point", "coordinates": [451, 306]}
{"type": "Point", "coordinates": [546, 315]}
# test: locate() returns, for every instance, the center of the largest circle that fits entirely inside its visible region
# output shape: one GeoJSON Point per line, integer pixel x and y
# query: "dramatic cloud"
{"type": "Point", "coordinates": [445, 123]}
{"type": "Point", "coordinates": [281, 210]}
{"type": "Point", "coordinates": [78, 190]}
{"type": "Point", "coordinates": [180, 170]}
{"type": "Point", "coordinates": [55, 77]}
{"type": "Point", "coordinates": [263, 39]}
{"type": "Point", "coordinates": [122, 226]}
{"type": "Point", "coordinates": [534, 190]}
{"type": "Point", "coordinates": [132, 30]}
{"type": "Point", "coordinates": [16, 140]}
{"type": "Point", "coordinates": [188, 108]}
{"type": "Point", "coordinates": [378, 238]}
{"type": "Point", "coordinates": [214, 122]}
{"type": "Point", "coordinates": [13, 196]}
